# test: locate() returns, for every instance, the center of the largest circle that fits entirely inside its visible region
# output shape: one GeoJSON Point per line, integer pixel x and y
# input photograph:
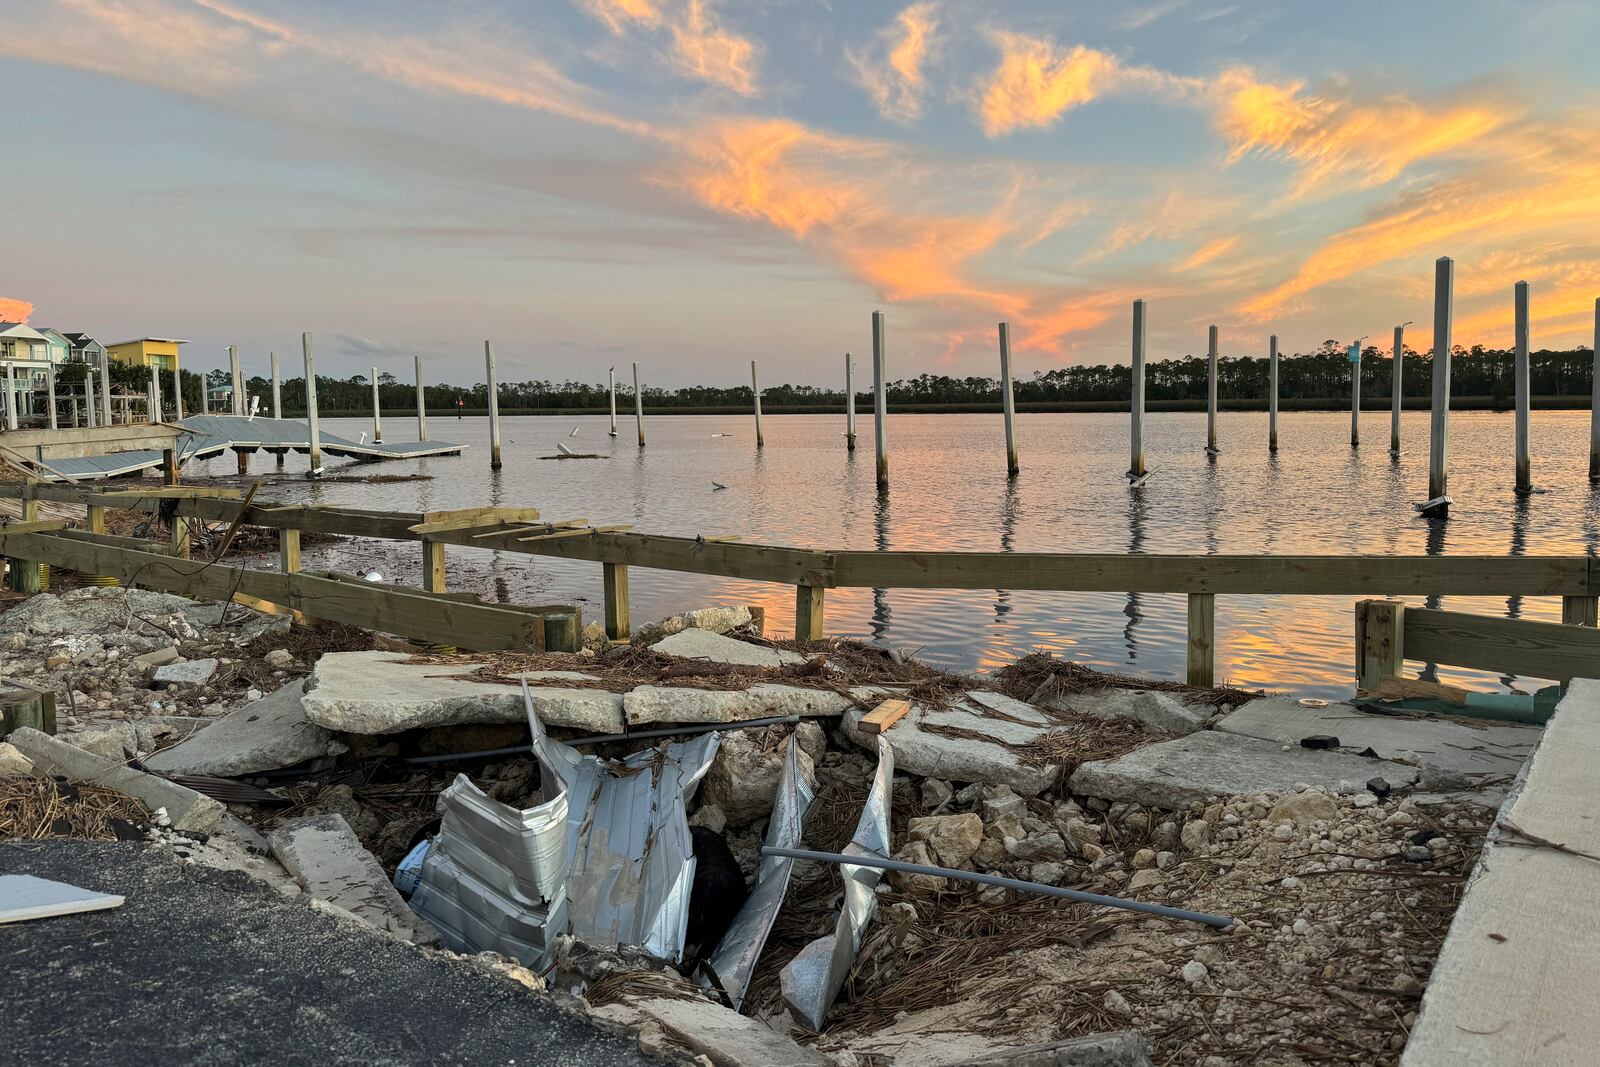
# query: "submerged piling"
{"type": "Point", "coordinates": [237, 379]}
{"type": "Point", "coordinates": [880, 399]}
{"type": "Point", "coordinates": [422, 402]}
{"type": "Point", "coordinates": [311, 407]}
{"type": "Point", "coordinates": [1438, 504]}
{"type": "Point", "coordinates": [377, 411]}
{"type": "Point", "coordinates": [611, 388]}
{"type": "Point", "coordinates": [494, 406]}
{"type": "Point", "coordinates": [1211, 392]}
{"type": "Point", "coordinates": [755, 390]}
{"type": "Point", "coordinates": [638, 404]}
{"type": "Point", "coordinates": [1008, 404]}
{"type": "Point", "coordinates": [1520, 374]}
{"type": "Point", "coordinates": [1396, 389]}
{"type": "Point", "coordinates": [1272, 393]}
{"type": "Point", "coordinates": [1136, 468]}
{"type": "Point", "coordinates": [850, 398]}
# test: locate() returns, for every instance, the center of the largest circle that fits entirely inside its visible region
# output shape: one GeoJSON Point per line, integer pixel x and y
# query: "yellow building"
{"type": "Point", "coordinates": [159, 352]}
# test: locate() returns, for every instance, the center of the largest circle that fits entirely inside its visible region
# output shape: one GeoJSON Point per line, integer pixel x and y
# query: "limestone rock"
{"type": "Point", "coordinates": [1303, 809]}
{"type": "Point", "coordinates": [713, 1034]}
{"type": "Point", "coordinates": [713, 620]}
{"type": "Point", "coordinates": [989, 855]}
{"type": "Point", "coordinates": [1196, 834]}
{"type": "Point", "coordinates": [694, 644]}
{"type": "Point", "coordinates": [916, 852]}
{"type": "Point", "coordinates": [952, 838]}
{"type": "Point", "coordinates": [185, 672]}
{"type": "Point", "coordinates": [113, 741]}
{"type": "Point", "coordinates": [12, 762]}
{"type": "Point", "coordinates": [936, 793]}
{"type": "Point", "coordinates": [263, 735]}
{"type": "Point", "coordinates": [744, 774]}
{"type": "Point", "coordinates": [1047, 847]}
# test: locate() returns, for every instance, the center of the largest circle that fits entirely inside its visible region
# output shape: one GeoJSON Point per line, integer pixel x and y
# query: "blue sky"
{"type": "Point", "coordinates": [693, 184]}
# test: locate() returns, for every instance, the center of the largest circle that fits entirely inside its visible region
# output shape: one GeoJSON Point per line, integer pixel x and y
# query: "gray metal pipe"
{"type": "Point", "coordinates": [1219, 921]}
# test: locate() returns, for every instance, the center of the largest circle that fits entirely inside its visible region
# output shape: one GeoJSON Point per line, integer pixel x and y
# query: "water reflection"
{"type": "Point", "coordinates": [1008, 538]}
{"type": "Point", "coordinates": [1133, 608]}
{"type": "Point", "coordinates": [1434, 547]}
{"type": "Point", "coordinates": [880, 597]}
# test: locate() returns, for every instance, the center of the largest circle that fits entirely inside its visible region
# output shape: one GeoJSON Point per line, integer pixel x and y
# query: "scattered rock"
{"type": "Point", "coordinates": [1305, 808]}
{"type": "Point", "coordinates": [263, 735]}
{"type": "Point", "coordinates": [1195, 972]}
{"type": "Point", "coordinates": [927, 753]}
{"type": "Point", "coordinates": [279, 659]}
{"type": "Point", "coordinates": [699, 644]}
{"type": "Point", "coordinates": [744, 774]}
{"type": "Point", "coordinates": [13, 762]}
{"type": "Point", "coordinates": [186, 672]}
{"type": "Point", "coordinates": [159, 657]}
{"type": "Point", "coordinates": [952, 838]}
{"type": "Point", "coordinates": [936, 793]}
{"type": "Point", "coordinates": [1158, 710]}
{"type": "Point", "coordinates": [916, 852]}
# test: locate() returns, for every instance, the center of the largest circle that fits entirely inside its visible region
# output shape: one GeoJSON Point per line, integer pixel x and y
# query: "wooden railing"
{"type": "Point", "coordinates": [813, 571]}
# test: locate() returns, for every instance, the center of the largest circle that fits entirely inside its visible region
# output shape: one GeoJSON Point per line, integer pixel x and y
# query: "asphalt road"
{"type": "Point", "coordinates": [208, 967]}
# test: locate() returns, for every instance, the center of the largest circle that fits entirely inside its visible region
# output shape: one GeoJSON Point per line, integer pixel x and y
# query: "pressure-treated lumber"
{"type": "Point", "coordinates": [615, 581]}
{"type": "Point", "coordinates": [885, 715]}
{"type": "Point", "coordinates": [808, 612]}
{"type": "Point", "coordinates": [1202, 640]}
{"type": "Point", "coordinates": [1380, 641]}
{"type": "Point", "coordinates": [1511, 646]}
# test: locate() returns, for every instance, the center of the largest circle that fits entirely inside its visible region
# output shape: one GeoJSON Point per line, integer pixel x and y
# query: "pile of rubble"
{"type": "Point", "coordinates": [1335, 840]}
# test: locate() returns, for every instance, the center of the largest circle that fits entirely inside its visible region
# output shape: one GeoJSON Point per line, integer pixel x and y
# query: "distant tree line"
{"type": "Point", "coordinates": [1320, 375]}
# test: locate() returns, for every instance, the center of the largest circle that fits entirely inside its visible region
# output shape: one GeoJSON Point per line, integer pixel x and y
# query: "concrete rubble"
{"type": "Point", "coordinates": [695, 644]}
{"type": "Point", "coordinates": [725, 1038]}
{"type": "Point", "coordinates": [1158, 710]}
{"type": "Point", "coordinates": [263, 735]}
{"type": "Point", "coordinates": [323, 854]}
{"type": "Point", "coordinates": [990, 758]}
{"type": "Point", "coordinates": [654, 704]}
{"type": "Point", "coordinates": [187, 809]}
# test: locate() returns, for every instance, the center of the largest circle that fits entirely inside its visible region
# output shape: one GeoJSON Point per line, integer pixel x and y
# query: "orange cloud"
{"type": "Point", "coordinates": [1035, 82]}
{"type": "Point", "coordinates": [617, 13]}
{"type": "Point", "coordinates": [14, 310]}
{"type": "Point", "coordinates": [1367, 143]}
{"type": "Point", "coordinates": [1207, 252]}
{"type": "Point", "coordinates": [894, 80]}
{"type": "Point", "coordinates": [701, 47]}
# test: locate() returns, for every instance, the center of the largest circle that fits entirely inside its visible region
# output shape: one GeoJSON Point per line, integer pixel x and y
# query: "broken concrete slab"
{"type": "Point", "coordinates": [1158, 710]}
{"type": "Point", "coordinates": [1454, 754]}
{"type": "Point", "coordinates": [187, 809]}
{"type": "Point", "coordinates": [1173, 774]}
{"type": "Point", "coordinates": [930, 753]}
{"type": "Point", "coordinates": [169, 654]}
{"type": "Point", "coordinates": [713, 620]}
{"type": "Point", "coordinates": [96, 611]}
{"type": "Point", "coordinates": [714, 648]}
{"type": "Point", "coordinates": [744, 775]}
{"type": "Point", "coordinates": [12, 762]}
{"type": "Point", "coordinates": [1515, 982]}
{"type": "Point", "coordinates": [263, 735]}
{"type": "Point", "coordinates": [1120, 1048]}
{"type": "Point", "coordinates": [382, 693]}
{"type": "Point", "coordinates": [112, 741]}
{"type": "Point", "coordinates": [725, 1038]}
{"type": "Point", "coordinates": [328, 860]}
{"type": "Point", "coordinates": [678, 704]}
{"type": "Point", "coordinates": [185, 672]}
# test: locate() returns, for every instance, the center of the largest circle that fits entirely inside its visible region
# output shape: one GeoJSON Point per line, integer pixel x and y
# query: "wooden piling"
{"type": "Point", "coordinates": [1202, 640]}
{"type": "Point", "coordinates": [808, 606]}
{"type": "Point", "coordinates": [108, 417]}
{"type": "Point", "coordinates": [377, 411]}
{"type": "Point", "coordinates": [1380, 641]}
{"type": "Point", "coordinates": [1396, 389]}
{"type": "Point", "coordinates": [1355, 398]}
{"type": "Point", "coordinates": [1444, 271]}
{"type": "Point", "coordinates": [638, 404]}
{"type": "Point", "coordinates": [1008, 404]}
{"type": "Point", "coordinates": [88, 399]}
{"type": "Point", "coordinates": [1580, 610]}
{"type": "Point", "coordinates": [311, 412]}
{"type": "Point", "coordinates": [1594, 401]}
{"type": "Point", "coordinates": [1520, 374]}
{"type": "Point", "coordinates": [50, 397]}
{"type": "Point", "coordinates": [850, 400]}
{"type": "Point", "coordinates": [177, 394]}
{"type": "Point", "coordinates": [433, 579]}
{"type": "Point", "coordinates": [880, 399]}
{"type": "Point", "coordinates": [11, 397]}
{"type": "Point", "coordinates": [180, 536]}
{"type": "Point", "coordinates": [422, 402]}
{"type": "Point", "coordinates": [611, 390]}
{"type": "Point", "coordinates": [25, 573]}
{"type": "Point", "coordinates": [277, 388]}
{"type": "Point", "coordinates": [238, 380]}
{"type": "Point", "coordinates": [1272, 393]}
{"type": "Point", "coordinates": [1136, 467]}
{"type": "Point", "coordinates": [494, 407]}
{"type": "Point", "coordinates": [755, 390]}
{"type": "Point", "coordinates": [156, 405]}
{"type": "Point", "coordinates": [615, 581]}
{"type": "Point", "coordinates": [1211, 391]}
{"type": "Point", "coordinates": [169, 466]}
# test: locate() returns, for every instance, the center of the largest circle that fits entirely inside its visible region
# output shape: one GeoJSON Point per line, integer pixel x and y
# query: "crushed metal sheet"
{"type": "Point", "coordinates": [632, 856]}
{"type": "Point", "coordinates": [734, 962]}
{"type": "Point", "coordinates": [494, 876]}
{"type": "Point", "coordinates": [813, 979]}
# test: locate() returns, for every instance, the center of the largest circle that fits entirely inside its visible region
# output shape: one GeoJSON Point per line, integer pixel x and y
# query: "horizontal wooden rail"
{"type": "Point", "coordinates": [1509, 646]}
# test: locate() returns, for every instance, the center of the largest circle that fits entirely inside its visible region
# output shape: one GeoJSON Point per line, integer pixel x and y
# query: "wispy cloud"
{"type": "Point", "coordinates": [891, 71]}
{"type": "Point", "coordinates": [699, 45]}
{"type": "Point", "coordinates": [1207, 253]}
{"type": "Point", "coordinates": [1037, 81]}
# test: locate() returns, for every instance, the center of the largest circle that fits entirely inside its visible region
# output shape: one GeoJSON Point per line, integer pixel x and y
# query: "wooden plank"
{"type": "Point", "coordinates": [1580, 610]}
{"type": "Point", "coordinates": [1202, 640]}
{"type": "Point", "coordinates": [138, 544]}
{"type": "Point", "coordinates": [466, 518]}
{"type": "Point", "coordinates": [614, 578]}
{"type": "Point", "coordinates": [762, 563]}
{"type": "Point", "coordinates": [433, 566]}
{"type": "Point", "coordinates": [1508, 646]}
{"type": "Point", "coordinates": [808, 610]}
{"type": "Point", "coordinates": [41, 526]}
{"type": "Point", "coordinates": [1123, 573]}
{"type": "Point", "coordinates": [885, 715]}
{"type": "Point", "coordinates": [1380, 641]}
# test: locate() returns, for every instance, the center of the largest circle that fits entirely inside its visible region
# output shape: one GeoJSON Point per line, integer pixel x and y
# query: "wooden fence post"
{"type": "Point", "coordinates": [180, 536]}
{"type": "Point", "coordinates": [1380, 641]}
{"type": "Point", "coordinates": [615, 580]}
{"type": "Point", "coordinates": [433, 579]}
{"type": "Point", "coordinates": [1202, 640]}
{"type": "Point", "coordinates": [808, 612]}
{"type": "Point", "coordinates": [25, 572]}
{"type": "Point", "coordinates": [1580, 610]}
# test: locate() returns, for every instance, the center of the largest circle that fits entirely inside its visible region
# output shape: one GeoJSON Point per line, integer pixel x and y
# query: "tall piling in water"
{"type": "Point", "coordinates": [155, 393]}
{"type": "Point", "coordinates": [1397, 389]}
{"type": "Point", "coordinates": [50, 394]}
{"type": "Point", "coordinates": [1437, 504]}
{"type": "Point", "coordinates": [755, 391]}
{"type": "Point", "coordinates": [88, 399]}
{"type": "Point", "coordinates": [611, 388]}
{"type": "Point", "coordinates": [422, 402]}
{"type": "Point", "coordinates": [850, 400]}
{"type": "Point", "coordinates": [107, 418]}
{"type": "Point", "coordinates": [237, 379]}
{"type": "Point", "coordinates": [1272, 393]}
{"type": "Point", "coordinates": [1594, 401]}
{"type": "Point", "coordinates": [377, 411]}
{"type": "Point", "coordinates": [1008, 403]}
{"type": "Point", "coordinates": [311, 406]}
{"type": "Point", "coordinates": [638, 404]}
{"type": "Point", "coordinates": [1355, 397]}
{"type": "Point", "coordinates": [177, 394]}
{"type": "Point", "coordinates": [880, 399]}
{"type": "Point", "coordinates": [1211, 391]}
{"type": "Point", "coordinates": [1136, 467]}
{"type": "Point", "coordinates": [494, 406]}
{"type": "Point", "coordinates": [1519, 371]}
{"type": "Point", "coordinates": [277, 387]}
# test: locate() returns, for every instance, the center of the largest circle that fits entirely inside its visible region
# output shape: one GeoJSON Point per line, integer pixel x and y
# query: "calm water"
{"type": "Point", "coordinates": [949, 491]}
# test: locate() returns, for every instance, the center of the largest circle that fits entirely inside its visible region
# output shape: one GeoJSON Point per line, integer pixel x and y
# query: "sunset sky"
{"type": "Point", "coordinates": [692, 184]}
